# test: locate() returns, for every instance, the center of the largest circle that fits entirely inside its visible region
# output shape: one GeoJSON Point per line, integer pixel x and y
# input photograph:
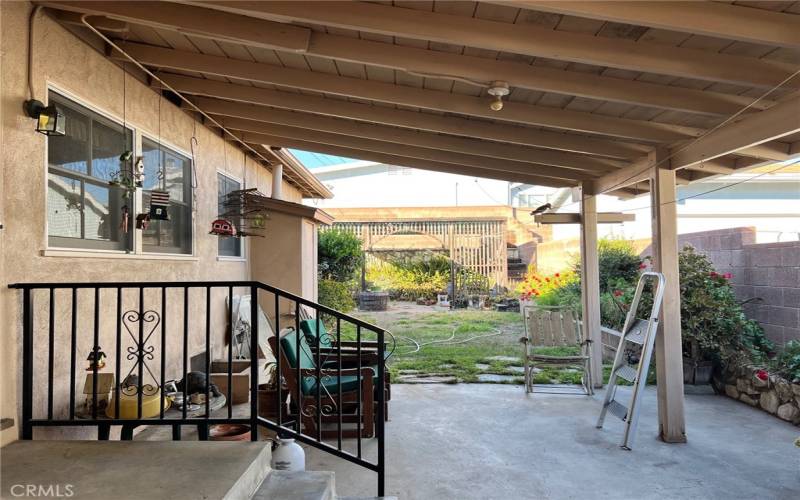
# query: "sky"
{"type": "Point", "coordinates": [317, 160]}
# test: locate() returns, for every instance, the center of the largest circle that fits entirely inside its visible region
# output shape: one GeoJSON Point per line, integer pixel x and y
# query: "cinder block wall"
{"type": "Point", "coordinates": [769, 271]}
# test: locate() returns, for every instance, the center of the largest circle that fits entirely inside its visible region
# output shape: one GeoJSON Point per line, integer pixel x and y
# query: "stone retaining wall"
{"type": "Point", "coordinates": [757, 388]}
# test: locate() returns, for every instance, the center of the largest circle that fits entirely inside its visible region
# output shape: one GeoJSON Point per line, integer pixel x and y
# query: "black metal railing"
{"type": "Point", "coordinates": [330, 382]}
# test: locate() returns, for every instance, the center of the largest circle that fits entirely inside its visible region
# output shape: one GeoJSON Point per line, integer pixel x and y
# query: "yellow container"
{"type": "Point", "coordinates": [128, 405]}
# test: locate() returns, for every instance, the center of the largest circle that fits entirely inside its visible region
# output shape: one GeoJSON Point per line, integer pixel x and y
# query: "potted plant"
{"type": "Point", "coordinates": [268, 393]}
{"type": "Point", "coordinates": [714, 328]}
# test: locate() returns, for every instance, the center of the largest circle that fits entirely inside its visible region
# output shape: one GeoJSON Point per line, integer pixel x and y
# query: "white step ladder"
{"type": "Point", "coordinates": [643, 333]}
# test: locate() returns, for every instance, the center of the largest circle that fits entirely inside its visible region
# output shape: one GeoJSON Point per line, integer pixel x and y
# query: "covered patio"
{"type": "Point", "coordinates": [599, 97]}
{"type": "Point", "coordinates": [493, 442]}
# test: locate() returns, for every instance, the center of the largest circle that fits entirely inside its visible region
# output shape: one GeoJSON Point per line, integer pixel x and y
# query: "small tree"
{"type": "Point", "coordinates": [339, 255]}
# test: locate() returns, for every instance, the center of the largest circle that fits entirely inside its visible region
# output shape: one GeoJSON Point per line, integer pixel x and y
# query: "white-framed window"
{"type": "Point", "coordinates": [167, 171]}
{"type": "Point", "coordinates": [227, 247]}
{"type": "Point", "coordinates": [84, 211]}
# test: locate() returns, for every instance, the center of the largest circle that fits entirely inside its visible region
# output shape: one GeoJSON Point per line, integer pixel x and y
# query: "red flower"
{"type": "Point", "coordinates": [617, 293]}
{"type": "Point", "coordinates": [713, 274]}
{"type": "Point", "coordinates": [762, 375]}
{"type": "Point", "coordinates": [727, 276]}
{"type": "Point", "coordinates": [642, 266]}
{"type": "Point", "coordinates": [557, 275]}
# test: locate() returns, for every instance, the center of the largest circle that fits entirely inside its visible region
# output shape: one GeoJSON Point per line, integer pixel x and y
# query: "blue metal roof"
{"type": "Point", "coordinates": [313, 160]}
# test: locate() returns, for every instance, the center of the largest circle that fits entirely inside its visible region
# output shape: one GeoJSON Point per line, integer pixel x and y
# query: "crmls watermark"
{"type": "Point", "coordinates": [42, 490]}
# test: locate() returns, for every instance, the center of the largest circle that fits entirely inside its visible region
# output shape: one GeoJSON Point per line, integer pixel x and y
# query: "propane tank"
{"type": "Point", "coordinates": [287, 455]}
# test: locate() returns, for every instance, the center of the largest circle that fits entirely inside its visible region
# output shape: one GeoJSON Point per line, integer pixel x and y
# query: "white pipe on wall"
{"type": "Point", "coordinates": [277, 181]}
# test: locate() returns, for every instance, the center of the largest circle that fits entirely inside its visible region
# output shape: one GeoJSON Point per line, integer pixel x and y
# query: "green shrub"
{"type": "Point", "coordinates": [788, 362]}
{"type": "Point", "coordinates": [713, 323]}
{"type": "Point", "coordinates": [405, 284]}
{"type": "Point", "coordinates": [335, 295]}
{"type": "Point", "coordinates": [339, 255]}
{"type": "Point", "coordinates": [618, 261]}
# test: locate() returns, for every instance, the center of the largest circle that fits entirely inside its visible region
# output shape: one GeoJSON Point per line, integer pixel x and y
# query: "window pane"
{"type": "Point", "coordinates": [175, 168]}
{"type": "Point", "coordinates": [170, 236]}
{"type": "Point", "coordinates": [108, 143]}
{"type": "Point", "coordinates": [83, 212]}
{"type": "Point", "coordinates": [228, 247]}
{"type": "Point", "coordinates": [167, 170]}
{"type": "Point", "coordinates": [63, 206]}
{"type": "Point", "coordinates": [71, 151]}
{"type": "Point", "coordinates": [102, 212]}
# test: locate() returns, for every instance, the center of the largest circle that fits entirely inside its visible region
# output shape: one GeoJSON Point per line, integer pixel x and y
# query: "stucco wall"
{"type": "Point", "coordinates": [65, 61]}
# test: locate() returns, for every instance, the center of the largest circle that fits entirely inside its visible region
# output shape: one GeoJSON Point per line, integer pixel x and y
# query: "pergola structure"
{"type": "Point", "coordinates": [612, 97]}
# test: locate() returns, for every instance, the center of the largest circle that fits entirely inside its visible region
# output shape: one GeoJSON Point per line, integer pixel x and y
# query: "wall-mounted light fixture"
{"type": "Point", "coordinates": [498, 89]}
{"type": "Point", "coordinates": [49, 119]}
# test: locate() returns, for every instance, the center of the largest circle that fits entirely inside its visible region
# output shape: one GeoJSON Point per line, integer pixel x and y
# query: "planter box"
{"type": "Point", "coordinates": [240, 380]}
{"type": "Point", "coordinates": [268, 405]}
{"type": "Point", "coordinates": [373, 301]}
{"type": "Point", "coordinates": [697, 372]}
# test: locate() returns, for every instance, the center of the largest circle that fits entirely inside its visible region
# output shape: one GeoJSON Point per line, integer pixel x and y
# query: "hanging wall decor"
{"type": "Point", "coordinates": [159, 202]}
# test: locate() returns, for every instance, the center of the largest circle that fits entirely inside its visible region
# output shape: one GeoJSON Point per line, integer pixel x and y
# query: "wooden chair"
{"type": "Point", "coordinates": [351, 379]}
{"type": "Point", "coordinates": [555, 326]}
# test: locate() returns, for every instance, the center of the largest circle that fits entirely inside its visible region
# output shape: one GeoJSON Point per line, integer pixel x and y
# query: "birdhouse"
{"type": "Point", "coordinates": [222, 227]}
{"type": "Point", "coordinates": [96, 359]}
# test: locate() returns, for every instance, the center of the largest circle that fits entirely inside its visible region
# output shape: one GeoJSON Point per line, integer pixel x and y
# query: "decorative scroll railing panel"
{"type": "Point", "coordinates": [151, 349]}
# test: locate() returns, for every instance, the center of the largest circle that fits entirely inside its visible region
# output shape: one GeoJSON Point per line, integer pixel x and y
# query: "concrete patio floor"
{"type": "Point", "coordinates": [486, 441]}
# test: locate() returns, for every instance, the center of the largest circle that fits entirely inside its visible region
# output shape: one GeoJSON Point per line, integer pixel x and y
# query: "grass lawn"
{"type": "Point", "coordinates": [452, 346]}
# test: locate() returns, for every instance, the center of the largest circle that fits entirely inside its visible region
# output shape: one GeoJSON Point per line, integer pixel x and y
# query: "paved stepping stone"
{"type": "Point", "coordinates": [504, 358]}
{"type": "Point", "coordinates": [494, 377]}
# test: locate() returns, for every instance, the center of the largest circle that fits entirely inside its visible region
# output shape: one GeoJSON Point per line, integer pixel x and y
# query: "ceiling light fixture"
{"type": "Point", "coordinates": [498, 89]}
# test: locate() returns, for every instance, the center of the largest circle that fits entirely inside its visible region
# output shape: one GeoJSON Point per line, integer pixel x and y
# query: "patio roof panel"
{"type": "Point", "coordinates": [395, 63]}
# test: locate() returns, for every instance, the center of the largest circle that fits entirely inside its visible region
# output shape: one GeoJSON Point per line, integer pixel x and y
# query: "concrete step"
{"type": "Point", "coordinates": [128, 470]}
{"type": "Point", "coordinates": [303, 485]}
{"type": "Point", "coordinates": [366, 498]}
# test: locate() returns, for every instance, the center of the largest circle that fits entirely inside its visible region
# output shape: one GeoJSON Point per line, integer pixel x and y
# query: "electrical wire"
{"type": "Point", "coordinates": [727, 186]}
{"type": "Point", "coordinates": [170, 88]}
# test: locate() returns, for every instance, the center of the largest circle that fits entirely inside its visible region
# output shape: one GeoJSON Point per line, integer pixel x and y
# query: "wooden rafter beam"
{"type": "Point", "coordinates": [445, 64]}
{"type": "Point", "coordinates": [481, 70]}
{"type": "Point", "coordinates": [753, 130]}
{"type": "Point", "coordinates": [412, 162]}
{"type": "Point", "coordinates": [720, 20]}
{"type": "Point", "coordinates": [436, 100]}
{"type": "Point", "coordinates": [268, 133]}
{"type": "Point", "coordinates": [251, 118]}
{"type": "Point", "coordinates": [575, 218]}
{"type": "Point", "coordinates": [196, 21]}
{"type": "Point", "coordinates": [408, 119]}
{"type": "Point", "coordinates": [519, 38]}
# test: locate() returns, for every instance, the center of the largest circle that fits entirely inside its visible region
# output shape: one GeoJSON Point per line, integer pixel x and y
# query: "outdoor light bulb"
{"type": "Point", "coordinates": [497, 103]}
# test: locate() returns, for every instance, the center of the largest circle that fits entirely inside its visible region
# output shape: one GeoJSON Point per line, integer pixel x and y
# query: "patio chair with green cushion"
{"type": "Point", "coordinates": [327, 340]}
{"type": "Point", "coordinates": [328, 343]}
{"type": "Point", "coordinates": [351, 380]}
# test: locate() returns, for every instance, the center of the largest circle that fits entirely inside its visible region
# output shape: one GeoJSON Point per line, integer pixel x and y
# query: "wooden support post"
{"type": "Point", "coordinates": [590, 284]}
{"type": "Point", "coordinates": [669, 354]}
